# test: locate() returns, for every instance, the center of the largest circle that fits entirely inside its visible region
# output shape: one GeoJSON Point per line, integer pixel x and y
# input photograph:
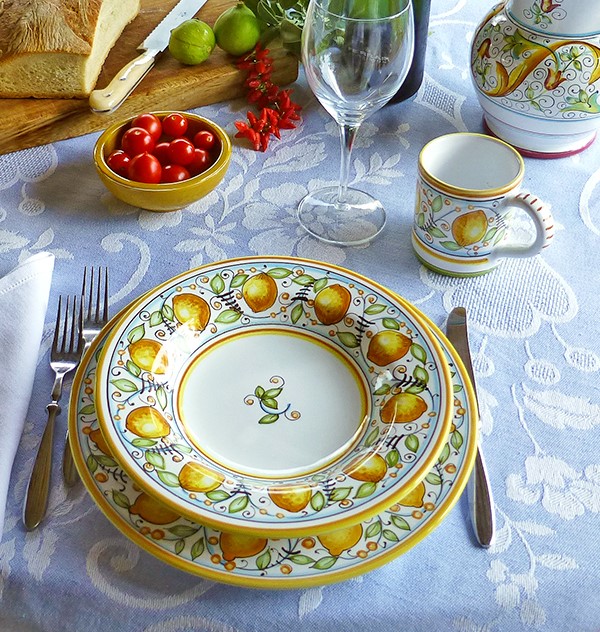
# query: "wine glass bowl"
{"type": "Point", "coordinates": [356, 55]}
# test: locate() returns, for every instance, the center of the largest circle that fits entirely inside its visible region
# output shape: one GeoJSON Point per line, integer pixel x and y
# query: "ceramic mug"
{"type": "Point", "coordinates": [467, 192]}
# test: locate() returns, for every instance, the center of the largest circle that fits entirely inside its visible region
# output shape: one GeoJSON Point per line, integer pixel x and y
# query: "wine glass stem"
{"type": "Point", "coordinates": [347, 136]}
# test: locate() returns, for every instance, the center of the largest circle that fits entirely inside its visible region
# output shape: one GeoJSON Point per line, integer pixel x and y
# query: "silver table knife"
{"type": "Point", "coordinates": [481, 504]}
{"type": "Point", "coordinates": [110, 98]}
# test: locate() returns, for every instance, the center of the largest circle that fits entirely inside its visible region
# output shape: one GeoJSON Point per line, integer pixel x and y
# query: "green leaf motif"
{"type": "Point", "coordinates": [179, 546]}
{"type": "Point", "coordinates": [197, 548]}
{"type": "Point", "coordinates": [320, 284]}
{"type": "Point", "coordinates": [437, 204]}
{"type": "Point", "coordinates": [340, 493]}
{"type": "Point", "coordinates": [297, 313]}
{"type": "Point", "coordinates": [415, 389]}
{"type": "Point", "coordinates": [91, 463]}
{"type": "Point", "coordinates": [279, 273]}
{"type": "Point", "coordinates": [272, 393]}
{"type": "Point", "coordinates": [450, 245]}
{"type": "Point", "coordinates": [433, 478]}
{"type": "Point", "coordinates": [183, 530]}
{"type": "Point", "coordinates": [376, 308]}
{"type": "Point", "coordinates": [348, 339]}
{"type": "Point", "coordinates": [218, 495]}
{"type": "Point", "coordinates": [155, 459]}
{"type": "Point", "coordinates": [133, 368]}
{"type": "Point", "coordinates": [383, 390]}
{"type": "Point", "coordinates": [268, 419]}
{"type": "Point", "coordinates": [217, 285]}
{"type": "Point", "coordinates": [388, 534]}
{"type": "Point", "coordinates": [140, 442]}
{"type": "Point", "coordinates": [434, 231]}
{"type": "Point", "coordinates": [168, 478]}
{"type": "Point", "coordinates": [456, 439]}
{"type": "Point", "coordinates": [156, 318]}
{"type": "Point", "coordinates": [269, 402]}
{"type": "Point", "coordinates": [263, 560]}
{"type": "Point", "coordinates": [421, 374]}
{"type": "Point", "coordinates": [373, 529]}
{"type": "Point", "coordinates": [239, 504]}
{"type": "Point", "coordinates": [365, 490]}
{"type": "Point", "coordinates": [490, 234]}
{"type": "Point", "coordinates": [444, 454]}
{"type": "Point", "coordinates": [161, 397]}
{"type": "Point", "coordinates": [238, 280]}
{"type": "Point", "coordinates": [301, 559]}
{"type": "Point", "coordinates": [259, 391]}
{"type": "Point", "coordinates": [120, 499]}
{"type": "Point", "coordinates": [105, 461]}
{"type": "Point", "coordinates": [420, 220]}
{"type": "Point", "coordinates": [418, 352]}
{"type": "Point", "coordinates": [317, 502]}
{"type": "Point", "coordinates": [168, 313]}
{"type": "Point", "coordinates": [371, 437]}
{"type": "Point", "coordinates": [324, 563]}
{"type": "Point", "coordinates": [392, 458]}
{"type": "Point", "coordinates": [304, 280]}
{"type": "Point", "coordinates": [127, 386]}
{"type": "Point", "coordinates": [412, 443]}
{"type": "Point", "coordinates": [390, 323]}
{"type": "Point", "coordinates": [89, 409]}
{"type": "Point", "coordinates": [182, 448]}
{"type": "Point", "coordinates": [228, 316]}
{"type": "Point", "coordinates": [137, 333]}
{"type": "Point", "coordinates": [457, 388]}
{"type": "Point", "coordinates": [400, 523]}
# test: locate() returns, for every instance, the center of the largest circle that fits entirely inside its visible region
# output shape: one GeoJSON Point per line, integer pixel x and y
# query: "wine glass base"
{"type": "Point", "coordinates": [355, 221]}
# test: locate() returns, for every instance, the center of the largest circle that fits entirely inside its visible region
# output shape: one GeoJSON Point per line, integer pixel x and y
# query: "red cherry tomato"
{"type": "Point", "coordinates": [200, 162]}
{"type": "Point", "coordinates": [174, 173]}
{"type": "Point", "coordinates": [149, 122]}
{"type": "Point", "coordinates": [137, 140]}
{"type": "Point", "coordinates": [204, 139]}
{"type": "Point", "coordinates": [174, 125]}
{"type": "Point", "coordinates": [145, 168]}
{"type": "Point", "coordinates": [118, 161]}
{"type": "Point", "coordinates": [181, 151]}
{"type": "Point", "coordinates": [161, 151]}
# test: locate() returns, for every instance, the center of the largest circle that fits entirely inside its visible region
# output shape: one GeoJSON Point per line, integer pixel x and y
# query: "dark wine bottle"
{"type": "Point", "coordinates": [414, 78]}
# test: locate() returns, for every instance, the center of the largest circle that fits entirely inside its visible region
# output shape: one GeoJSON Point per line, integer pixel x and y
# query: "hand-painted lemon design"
{"type": "Point", "coordinates": [191, 310]}
{"type": "Point", "coordinates": [98, 438]}
{"type": "Point", "coordinates": [340, 540]}
{"type": "Point", "coordinates": [260, 292]}
{"type": "Point", "coordinates": [331, 304]}
{"type": "Point", "coordinates": [147, 422]}
{"type": "Point", "coordinates": [149, 355]}
{"type": "Point", "coordinates": [293, 498]}
{"type": "Point", "coordinates": [415, 497]}
{"type": "Point", "coordinates": [197, 478]}
{"type": "Point", "coordinates": [371, 469]}
{"type": "Point", "coordinates": [469, 228]}
{"type": "Point", "coordinates": [403, 408]}
{"type": "Point", "coordinates": [388, 346]}
{"type": "Point", "coordinates": [152, 511]}
{"type": "Point", "coordinates": [240, 545]}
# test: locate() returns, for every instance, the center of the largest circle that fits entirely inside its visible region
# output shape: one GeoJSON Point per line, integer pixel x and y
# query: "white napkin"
{"type": "Point", "coordinates": [23, 302]}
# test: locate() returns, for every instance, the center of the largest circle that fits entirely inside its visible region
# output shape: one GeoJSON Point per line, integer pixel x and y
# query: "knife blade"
{"type": "Point", "coordinates": [481, 504]}
{"type": "Point", "coordinates": [110, 98]}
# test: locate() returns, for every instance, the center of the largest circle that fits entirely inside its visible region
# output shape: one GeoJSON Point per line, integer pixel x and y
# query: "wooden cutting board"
{"type": "Point", "coordinates": [168, 86]}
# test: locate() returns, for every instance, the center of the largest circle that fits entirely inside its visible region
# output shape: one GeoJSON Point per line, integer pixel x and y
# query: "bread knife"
{"type": "Point", "coordinates": [481, 504]}
{"type": "Point", "coordinates": [110, 98]}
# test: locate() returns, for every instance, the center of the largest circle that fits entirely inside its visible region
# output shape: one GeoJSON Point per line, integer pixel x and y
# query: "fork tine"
{"type": "Point", "coordinates": [57, 324]}
{"type": "Point", "coordinates": [105, 311]}
{"type": "Point", "coordinates": [86, 291]}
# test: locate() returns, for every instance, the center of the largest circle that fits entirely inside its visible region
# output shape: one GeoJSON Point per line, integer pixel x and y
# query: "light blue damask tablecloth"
{"type": "Point", "coordinates": [535, 336]}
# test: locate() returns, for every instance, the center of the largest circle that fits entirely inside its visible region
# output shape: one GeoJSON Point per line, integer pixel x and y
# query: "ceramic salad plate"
{"type": "Point", "coordinates": [273, 396]}
{"type": "Point", "coordinates": [262, 562]}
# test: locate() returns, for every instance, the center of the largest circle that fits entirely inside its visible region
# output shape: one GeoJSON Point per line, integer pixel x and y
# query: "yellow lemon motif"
{"type": "Point", "coordinates": [259, 292]}
{"type": "Point", "coordinates": [341, 539]}
{"type": "Point", "coordinates": [403, 408]}
{"type": "Point", "coordinates": [197, 478]}
{"type": "Point", "coordinates": [415, 497]}
{"type": "Point", "coordinates": [98, 438]}
{"type": "Point", "coordinates": [240, 545]}
{"type": "Point", "coordinates": [370, 470]}
{"type": "Point", "coordinates": [388, 346]}
{"type": "Point", "coordinates": [331, 304]}
{"type": "Point", "coordinates": [293, 498]}
{"type": "Point", "coordinates": [149, 355]}
{"type": "Point", "coordinates": [147, 422]}
{"type": "Point", "coordinates": [191, 310]}
{"type": "Point", "coordinates": [152, 511]}
{"type": "Point", "coordinates": [469, 228]}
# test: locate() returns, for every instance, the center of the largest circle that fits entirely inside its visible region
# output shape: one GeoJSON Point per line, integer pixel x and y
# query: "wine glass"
{"type": "Point", "coordinates": [356, 54]}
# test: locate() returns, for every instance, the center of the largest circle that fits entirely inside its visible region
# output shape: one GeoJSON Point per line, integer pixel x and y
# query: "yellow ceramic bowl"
{"type": "Point", "coordinates": [168, 196]}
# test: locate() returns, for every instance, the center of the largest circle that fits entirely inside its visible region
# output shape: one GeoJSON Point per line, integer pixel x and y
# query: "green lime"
{"type": "Point", "coordinates": [237, 30]}
{"type": "Point", "coordinates": [192, 42]}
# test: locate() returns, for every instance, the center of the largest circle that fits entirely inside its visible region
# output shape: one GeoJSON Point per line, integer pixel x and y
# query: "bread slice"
{"type": "Point", "coordinates": [56, 48]}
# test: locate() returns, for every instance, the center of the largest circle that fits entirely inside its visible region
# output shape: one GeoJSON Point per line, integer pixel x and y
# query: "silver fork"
{"type": "Point", "coordinates": [94, 293]}
{"type": "Point", "coordinates": [67, 348]}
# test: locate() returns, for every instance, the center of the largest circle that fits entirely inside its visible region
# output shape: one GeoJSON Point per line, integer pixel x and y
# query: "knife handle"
{"type": "Point", "coordinates": [481, 503]}
{"type": "Point", "coordinates": [110, 98]}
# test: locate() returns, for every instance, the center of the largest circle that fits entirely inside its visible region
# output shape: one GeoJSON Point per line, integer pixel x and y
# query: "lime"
{"type": "Point", "coordinates": [237, 30]}
{"type": "Point", "coordinates": [192, 42]}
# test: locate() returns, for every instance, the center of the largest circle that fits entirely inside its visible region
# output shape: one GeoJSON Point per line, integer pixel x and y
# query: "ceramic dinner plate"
{"type": "Point", "coordinates": [261, 562]}
{"type": "Point", "coordinates": [273, 396]}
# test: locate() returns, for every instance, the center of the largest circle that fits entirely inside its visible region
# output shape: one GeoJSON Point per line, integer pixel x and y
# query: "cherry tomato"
{"type": "Point", "coordinates": [174, 173]}
{"type": "Point", "coordinates": [149, 122]}
{"type": "Point", "coordinates": [174, 125]}
{"type": "Point", "coordinates": [161, 151]}
{"type": "Point", "coordinates": [200, 162]}
{"type": "Point", "coordinates": [181, 151]}
{"type": "Point", "coordinates": [137, 140]}
{"type": "Point", "coordinates": [118, 161]}
{"type": "Point", "coordinates": [145, 168]}
{"type": "Point", "coordinates": [204, 139]}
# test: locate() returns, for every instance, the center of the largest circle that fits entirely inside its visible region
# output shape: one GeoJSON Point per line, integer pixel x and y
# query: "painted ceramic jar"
{"type": "Point", "coordinates": [536, 69]}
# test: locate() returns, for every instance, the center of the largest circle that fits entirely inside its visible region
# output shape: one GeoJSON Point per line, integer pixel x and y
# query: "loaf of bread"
{"type": "Point", "coordinates": [56, 48]}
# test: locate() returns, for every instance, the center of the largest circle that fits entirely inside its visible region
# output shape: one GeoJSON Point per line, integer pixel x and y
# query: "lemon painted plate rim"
{"type": "Point", "coordinates": [231, 521]}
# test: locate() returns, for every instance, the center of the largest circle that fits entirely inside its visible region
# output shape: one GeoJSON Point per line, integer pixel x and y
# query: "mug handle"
{"type": "Point", "coordinates": [544, 225]}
